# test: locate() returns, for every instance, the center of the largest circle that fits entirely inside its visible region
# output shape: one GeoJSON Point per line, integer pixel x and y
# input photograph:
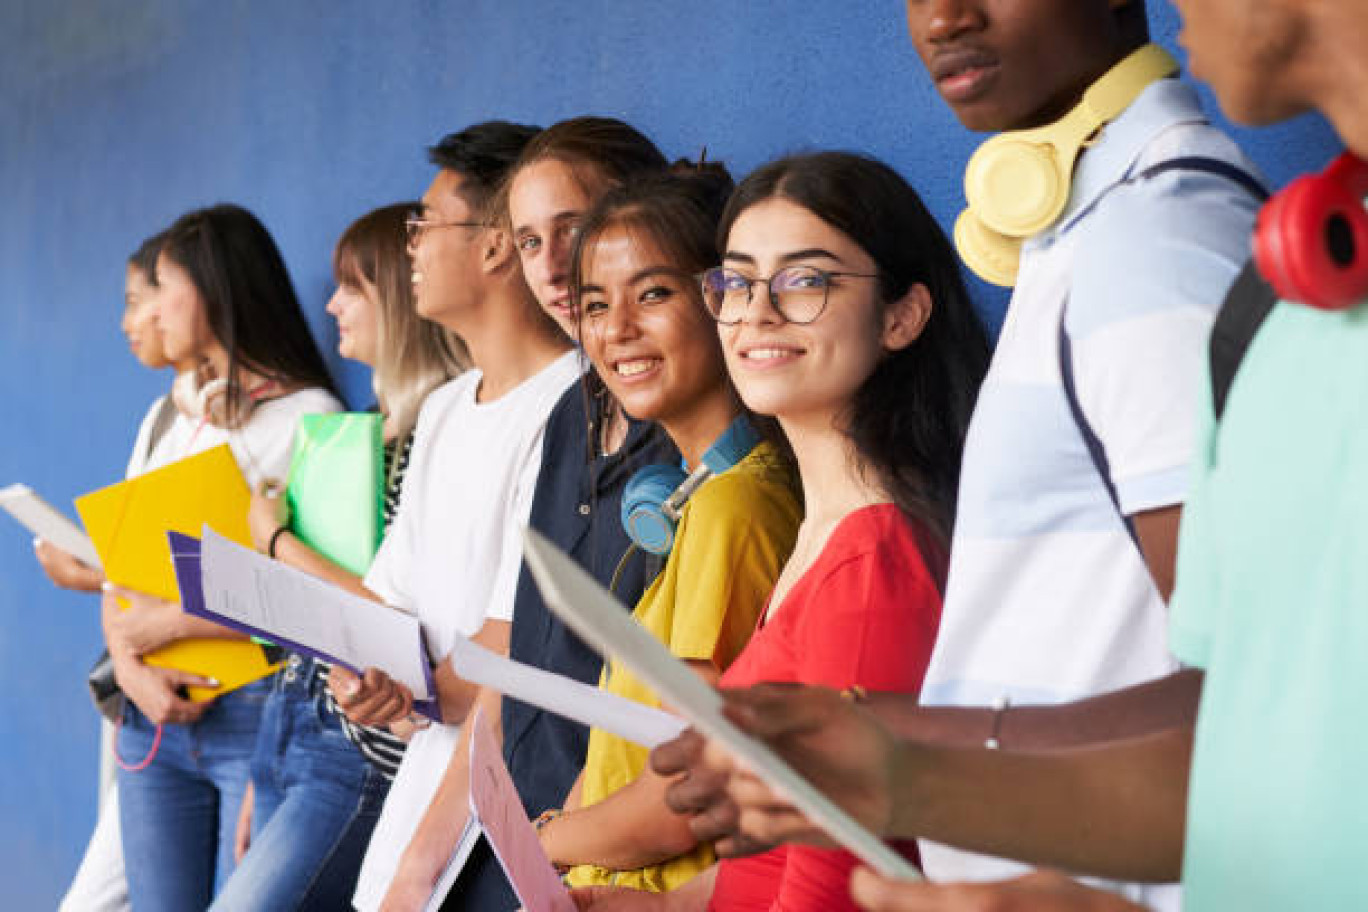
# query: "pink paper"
{"type": "Point", "coordinates": [494, 801]}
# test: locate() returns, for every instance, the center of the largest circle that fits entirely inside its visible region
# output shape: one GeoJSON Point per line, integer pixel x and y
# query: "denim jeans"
{"type": "Point", "coordinates": [316, 801]}
{"type": "Point", "coordinates": [177, 816]}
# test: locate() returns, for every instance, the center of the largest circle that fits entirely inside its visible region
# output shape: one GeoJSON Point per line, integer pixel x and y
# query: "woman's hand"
{"type": "Point", "coordinates": [269, 511]}
{"type": "Point", "coordinates": [374, 699]}
{"type": "Point", "coordinates": [65, 571]}
{"type": "Point", "coordinates": [1039, 890]}
{"type": "Point", "coordinates": [158, 692]}
{"type": "Point", "coordinates": [149, 624]}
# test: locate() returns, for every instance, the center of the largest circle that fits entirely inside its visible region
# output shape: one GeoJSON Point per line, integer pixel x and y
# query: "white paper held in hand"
{"type": "Point", "coordinates": [600, 620]}
{"type": "Point", "coordinates": [583, 703]}
{"type": "Point", "coordinates": [266, 598]}
{"type": "Point", "coordinates": [48, 523]}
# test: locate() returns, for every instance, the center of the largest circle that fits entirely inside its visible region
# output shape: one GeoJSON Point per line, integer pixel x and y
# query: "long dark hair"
{"type": "Point", "coordinates": [249, 300]}
{"type": "Point", "coordinates": [909, 418]}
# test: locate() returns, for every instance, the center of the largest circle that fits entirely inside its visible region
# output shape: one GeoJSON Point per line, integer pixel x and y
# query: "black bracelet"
{"type": "Point", "coordinates": [275, 540]}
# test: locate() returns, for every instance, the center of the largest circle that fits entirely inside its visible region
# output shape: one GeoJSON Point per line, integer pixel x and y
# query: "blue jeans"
{"type": "Point", "coordinates": [177, 816]}
{"type": "Point", "coordinates": [316, 800]}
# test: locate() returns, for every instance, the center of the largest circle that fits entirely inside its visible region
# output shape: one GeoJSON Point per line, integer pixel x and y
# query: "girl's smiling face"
{"type": "Point", "coordinates": [792, 370]}
{"type": "Point", "coordinates": [644, 327]}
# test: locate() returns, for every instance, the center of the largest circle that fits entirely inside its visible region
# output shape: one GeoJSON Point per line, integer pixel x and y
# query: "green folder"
{"type": "Point", "coordinates": [337, 484]}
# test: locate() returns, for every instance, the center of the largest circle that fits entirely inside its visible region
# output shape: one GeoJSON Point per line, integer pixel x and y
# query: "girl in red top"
{"type": "Point", "coordinates": [843, 315]}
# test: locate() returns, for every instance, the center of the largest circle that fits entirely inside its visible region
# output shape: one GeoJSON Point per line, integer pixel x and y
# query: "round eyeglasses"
{"type": "Point", "coordinates": [797, 293]}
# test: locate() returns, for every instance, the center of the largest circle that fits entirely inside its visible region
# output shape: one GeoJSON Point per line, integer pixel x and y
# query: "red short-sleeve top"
{"type": "Point", "coordinates": [865, 613]}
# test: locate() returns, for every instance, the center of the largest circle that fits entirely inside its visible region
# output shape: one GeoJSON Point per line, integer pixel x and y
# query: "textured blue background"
{"type": "Point", "coordinates": [117, 115]}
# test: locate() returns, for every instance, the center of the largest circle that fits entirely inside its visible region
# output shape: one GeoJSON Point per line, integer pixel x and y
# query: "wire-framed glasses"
{"type": "Point", "coordinates": [415, 225]}
{"type": "Point", "coordinates": [797, 293]}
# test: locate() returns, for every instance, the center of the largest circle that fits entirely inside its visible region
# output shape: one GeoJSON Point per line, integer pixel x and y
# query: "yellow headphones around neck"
{"type": "Point", "coordinates": [1018, 183]}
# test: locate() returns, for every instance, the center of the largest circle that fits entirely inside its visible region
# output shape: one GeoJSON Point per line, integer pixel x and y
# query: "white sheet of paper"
{"type": "Point", "coordinates": [494, 801]}
{"type": "Point", "coordinates": [464, 846]}
{"type": "Point", "coordinates": [48, 523]}
{"type": "Point", "coordinates": [584, 703]}
{"type": "Point", "coordinates": [295, 607]}
{"type": "Point", "coordinates": [592, 612]}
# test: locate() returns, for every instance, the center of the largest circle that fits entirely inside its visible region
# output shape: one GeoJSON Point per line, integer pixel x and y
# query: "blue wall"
{"type": "Point", "coordinates": [116, 115]}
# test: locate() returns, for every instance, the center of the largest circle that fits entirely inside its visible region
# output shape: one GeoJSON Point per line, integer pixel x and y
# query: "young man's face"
{"type": "Point", "coordinates": [1014, 64]}
{"type": "Point", "coordinates": [445, 251]}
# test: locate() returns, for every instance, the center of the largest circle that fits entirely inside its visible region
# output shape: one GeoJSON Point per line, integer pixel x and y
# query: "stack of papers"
{"type": "Point", "coordinates": [239, 588]}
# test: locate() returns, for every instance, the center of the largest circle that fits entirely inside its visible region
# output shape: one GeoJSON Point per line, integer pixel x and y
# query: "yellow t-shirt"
{"type": "Point", "coordinates": [734, 536]}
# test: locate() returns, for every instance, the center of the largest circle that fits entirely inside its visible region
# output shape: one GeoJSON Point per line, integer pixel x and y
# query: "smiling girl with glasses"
{"type": "Point", "coordinates": [867, 353]}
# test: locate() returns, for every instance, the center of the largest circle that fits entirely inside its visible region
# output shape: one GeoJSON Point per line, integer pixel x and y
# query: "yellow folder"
{"type": "Point", "coordinates": [128, 523]}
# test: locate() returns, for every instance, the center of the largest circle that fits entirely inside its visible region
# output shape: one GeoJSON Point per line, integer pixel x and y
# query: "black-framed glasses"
{"type": "Point", "coordinates": [797, 293]}
{"type": "Point", "coordinates": [415, 225]}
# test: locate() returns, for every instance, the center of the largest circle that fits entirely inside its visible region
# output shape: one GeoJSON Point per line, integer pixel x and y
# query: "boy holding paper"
{"type": "Point", "coordinates": [453, 553]}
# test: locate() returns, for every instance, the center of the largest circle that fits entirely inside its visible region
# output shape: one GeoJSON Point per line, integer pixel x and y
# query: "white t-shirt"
{"type": "Point", "coordinates": [1048, 598]}
{"type": "Point", "coordinates": [452, 557]}
{"type": "Point", "coordinates": [261, 447]}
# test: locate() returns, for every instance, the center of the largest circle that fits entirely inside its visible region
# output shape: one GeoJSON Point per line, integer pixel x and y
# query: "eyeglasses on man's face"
{"type": "Point", "coordinates": [416, 225]}
{"type": "Point", "coordinates": [797, 293]}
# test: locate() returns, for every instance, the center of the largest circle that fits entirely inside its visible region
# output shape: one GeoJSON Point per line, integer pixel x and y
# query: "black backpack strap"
{"type": "Point", "coordinates": [1096, 451]}
{"type": "Point", "coordinates": [1247, 304]}
{"type": "Point", "coordinates": [1218, 167]}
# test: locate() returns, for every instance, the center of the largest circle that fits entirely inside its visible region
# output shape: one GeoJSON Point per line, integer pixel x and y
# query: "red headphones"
{"type": "Point", "coordinates": [1311, 240]}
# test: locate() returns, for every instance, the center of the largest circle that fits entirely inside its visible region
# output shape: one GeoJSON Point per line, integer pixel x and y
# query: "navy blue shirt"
{"type": "Point", "coordinates": [577, 504]}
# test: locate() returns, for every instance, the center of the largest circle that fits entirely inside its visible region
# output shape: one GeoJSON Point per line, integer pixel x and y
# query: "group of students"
{"type": "Point", "coordinates": [765, 416]}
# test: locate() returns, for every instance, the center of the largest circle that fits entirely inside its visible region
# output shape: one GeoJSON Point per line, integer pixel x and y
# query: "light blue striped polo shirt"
{"type": "Point", "coordinates": [1048, 598]}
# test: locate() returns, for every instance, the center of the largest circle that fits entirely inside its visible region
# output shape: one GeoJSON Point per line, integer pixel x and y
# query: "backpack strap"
{"type": "Point", "coordinates": [1097, 451]}
{"type": "Point", "coordinates": [1246, 307]}
{"type": "Point", "coordinates": [161, 423]}
{"type": "Point", "coordinates": [1214, 166]}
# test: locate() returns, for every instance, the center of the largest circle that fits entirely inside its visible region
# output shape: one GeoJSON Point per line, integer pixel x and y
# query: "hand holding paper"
{"type": "Point", "coordinates": [128, 523]}
{"type": "Point", "coordinates": [589, 610]}
{"type": "Point", "coordinates": [249, 592]}
{"type": "Point", "coordinates": [47, 523]}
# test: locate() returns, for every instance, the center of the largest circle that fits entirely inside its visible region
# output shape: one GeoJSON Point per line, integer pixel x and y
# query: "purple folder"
{"type": "Point", "coordinates": [185, 555]}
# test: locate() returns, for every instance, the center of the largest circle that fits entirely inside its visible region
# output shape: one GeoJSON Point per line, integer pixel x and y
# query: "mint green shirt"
{"type": "Point", "coordinates": [1272, 601]}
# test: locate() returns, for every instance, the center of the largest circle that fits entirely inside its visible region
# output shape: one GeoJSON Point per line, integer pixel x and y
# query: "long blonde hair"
{"type": "Point", "coordinates": [413, 356]}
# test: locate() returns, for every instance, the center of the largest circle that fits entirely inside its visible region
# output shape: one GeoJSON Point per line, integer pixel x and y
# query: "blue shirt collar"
{"type": "Point", "coordinates": [1119, 144]}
